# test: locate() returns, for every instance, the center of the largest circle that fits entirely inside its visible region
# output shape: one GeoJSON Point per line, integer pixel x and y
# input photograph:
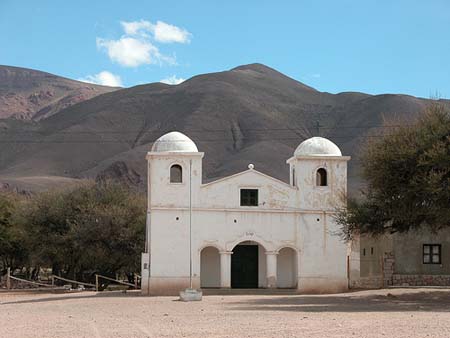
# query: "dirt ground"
{"type": "Point", "coordinates": [381, 313]}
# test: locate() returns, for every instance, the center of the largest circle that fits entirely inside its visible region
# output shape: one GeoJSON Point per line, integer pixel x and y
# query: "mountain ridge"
{"type": "Point", "coordinates": [32, 94]}
{"type": "Point", "coordinates": [249, 114]}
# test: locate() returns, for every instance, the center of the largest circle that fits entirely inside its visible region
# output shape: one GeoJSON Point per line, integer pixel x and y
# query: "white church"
{"type": "Point", "coordinates": [247, 230]}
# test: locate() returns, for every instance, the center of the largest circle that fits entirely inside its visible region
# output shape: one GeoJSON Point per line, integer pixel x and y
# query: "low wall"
{"type": "Point", "coordinates": [420, 280]}
{"type": "Point", "coordinates": [373, 282]}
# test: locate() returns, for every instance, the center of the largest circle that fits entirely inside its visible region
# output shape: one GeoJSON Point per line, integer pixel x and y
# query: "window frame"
{"type": "Point", "coordinates": [248, 205]}
{"type": "Point", "coordinates": [170, 173]}
{"type": "Point", "coordinates": [431, 254]}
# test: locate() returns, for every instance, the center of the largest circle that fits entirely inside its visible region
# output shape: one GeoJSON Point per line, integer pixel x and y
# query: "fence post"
{"type": "Point", "coordinates": [96, 282]}
{"type": "Point", "coordinates": [53, 281]}
{"type": "Point", "coordinates": [135, 281]}
{"type": "Point", "coordinates": [8, 280]}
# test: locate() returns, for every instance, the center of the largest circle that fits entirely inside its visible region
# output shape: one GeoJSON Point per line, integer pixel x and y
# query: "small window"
{"type": "Point", "coordinates": [321, 177]}
{"type": "Point", "coordinates": [364, 251]}
{"type": "Point", "coordinates": [249, 197]}
{"type": "Point", "coordinates": [371, 250]}
{"type": "Point", "coordinates": [432, 254]}
{"type": "Point", "coordinates": [293, 177]}
{"type": "Point", "coordinates": [176, 174]}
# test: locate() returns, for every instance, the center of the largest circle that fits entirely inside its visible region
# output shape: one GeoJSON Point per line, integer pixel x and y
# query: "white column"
{"type": "Point", "coordinates": [271, 269]}
{"type": "Point", "coordinates": [225, 269]}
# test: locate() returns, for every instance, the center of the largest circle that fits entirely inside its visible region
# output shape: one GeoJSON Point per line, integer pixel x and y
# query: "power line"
{"type": "Point", "coordinates": [207, 130]}
{"type": "Point", "coordinates": [178, 141]}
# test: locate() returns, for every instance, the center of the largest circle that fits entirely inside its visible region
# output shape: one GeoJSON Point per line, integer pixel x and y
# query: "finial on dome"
{"type": "Point", "coordinates": [251, 166]}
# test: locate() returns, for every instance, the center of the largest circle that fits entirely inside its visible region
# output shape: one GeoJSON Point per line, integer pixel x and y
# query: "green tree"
{"type": "Point", "coordinates": [408, 179]}
{"type": "Point", "coordinates": [87, 229]}
{"type": "Point", "coordinates": [13, 237]}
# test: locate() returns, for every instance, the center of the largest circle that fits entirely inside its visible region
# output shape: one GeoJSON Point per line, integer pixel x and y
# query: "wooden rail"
{"type": "Point", "coordinates": [71, 281]}
{"type": "Point", "coordinates": [113, 280]}
{"type": "Point", "coordinates": [26, 281]}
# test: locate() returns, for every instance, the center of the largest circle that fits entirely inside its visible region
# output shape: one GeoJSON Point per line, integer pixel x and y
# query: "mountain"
{"type": "Point", "coordinates": [31, 94]}
{"type": "Point", "coordinates": [249, 114]}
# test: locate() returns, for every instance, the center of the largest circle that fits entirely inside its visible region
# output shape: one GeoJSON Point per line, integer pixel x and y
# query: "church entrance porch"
{"type": "Point", "coordinates": [244, 267]}
{"type": "Point", "coordinates": [248, 265]}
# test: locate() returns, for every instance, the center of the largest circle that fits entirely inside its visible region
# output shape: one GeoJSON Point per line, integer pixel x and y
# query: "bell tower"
{"type": "Point", "coordinates": [319, 171]}
{"type": "Point", "coordinates": [174, 167]}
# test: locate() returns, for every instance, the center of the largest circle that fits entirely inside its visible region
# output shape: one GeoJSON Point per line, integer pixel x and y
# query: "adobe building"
{"type": "Point", "coordinates": [415, 258]}
{"type": "Point", "coordinates": [247, 230]}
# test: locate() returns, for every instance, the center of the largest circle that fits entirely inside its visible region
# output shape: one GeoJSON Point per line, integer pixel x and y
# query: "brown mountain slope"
{"type": "Point", "coordinates": [30, 94]}
{"type": "Point", "coordinates": [250, 114]}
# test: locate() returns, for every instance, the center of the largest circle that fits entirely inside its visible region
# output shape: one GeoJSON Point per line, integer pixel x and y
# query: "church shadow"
{"type": "Point", "coordinates": [433, 301]}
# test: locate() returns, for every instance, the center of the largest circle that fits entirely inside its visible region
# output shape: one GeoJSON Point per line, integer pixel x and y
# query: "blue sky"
{"type": "Point", "coordinates": [368, 46]}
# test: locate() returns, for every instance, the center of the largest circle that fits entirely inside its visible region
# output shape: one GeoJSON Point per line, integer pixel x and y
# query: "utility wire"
{"type": "Point", "coordinates": [205, 130]}
{"type": "Point", "coordinates": [179, 141]}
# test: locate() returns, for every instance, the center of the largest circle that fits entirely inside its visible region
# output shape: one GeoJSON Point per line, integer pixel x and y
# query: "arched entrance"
{"type": "Point", "coordinates": [287, 268]}
{"type": "Point", "coordinates": [248, 265]}
{"type": "Point", "coordinates": [210, 267]}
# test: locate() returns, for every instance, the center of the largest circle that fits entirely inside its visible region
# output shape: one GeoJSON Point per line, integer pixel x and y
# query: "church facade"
{"type": "Point", "coordinates": [247, 230]}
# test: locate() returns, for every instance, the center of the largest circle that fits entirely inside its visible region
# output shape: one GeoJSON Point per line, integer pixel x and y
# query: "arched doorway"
{"type": "Point", "coordinates": [210, 268]}
{"type": "Point", "coordinates": [248, 266]}
{"type": "Point", "coordinates": [287, 268]}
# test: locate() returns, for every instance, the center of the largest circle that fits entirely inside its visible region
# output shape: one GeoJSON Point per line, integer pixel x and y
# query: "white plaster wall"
{"type": "Point", "coordinates": [323, 257]}
{"type": "Point", "coordinates": [322, 254]}
{"type": "Point", "coordinates": [169, 243]}
{"type": "Point", "coordinates": [210, 268]}
{"type": "Point", "coordinates": [225, 193]}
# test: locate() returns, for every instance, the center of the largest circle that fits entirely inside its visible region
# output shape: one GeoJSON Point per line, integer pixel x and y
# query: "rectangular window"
{"type": "Point", "coordinates": [249, 197]}
{"type": "Point", "coordinates": [431, 254]}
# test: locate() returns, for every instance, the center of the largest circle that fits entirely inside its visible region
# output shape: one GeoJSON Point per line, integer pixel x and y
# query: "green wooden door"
{"type": "Point", "coordinates": [244, 267]}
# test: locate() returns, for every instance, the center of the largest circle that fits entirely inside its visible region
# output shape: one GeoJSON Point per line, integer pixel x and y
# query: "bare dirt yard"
{"type": "Point", "coordinates": [381, 313]}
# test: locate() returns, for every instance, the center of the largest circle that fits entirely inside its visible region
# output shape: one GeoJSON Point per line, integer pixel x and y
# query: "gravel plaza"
{"type": "Point", "coordinates": [421, 312]}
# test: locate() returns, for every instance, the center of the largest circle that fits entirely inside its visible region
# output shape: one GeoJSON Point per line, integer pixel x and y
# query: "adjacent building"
{"type": "Point", "coordinates": [416, 258]}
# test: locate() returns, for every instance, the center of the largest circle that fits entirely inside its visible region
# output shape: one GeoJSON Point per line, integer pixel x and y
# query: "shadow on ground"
{"type": "Point", "coordinates": [437, 301]}
{"type": "Point", "coordinates": [68, 296]}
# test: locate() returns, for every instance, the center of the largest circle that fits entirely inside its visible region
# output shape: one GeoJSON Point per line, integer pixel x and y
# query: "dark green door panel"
{"type": "Point", "coordinates": [244, 266]}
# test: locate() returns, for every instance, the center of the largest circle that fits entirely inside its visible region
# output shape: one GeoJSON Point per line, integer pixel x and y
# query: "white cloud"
{"type": "Point", "coordinates": [167, 33]}
{"type": "Point", "coordinates": [137, 46]}
{"type": "Point", "coordinates": [136, 27]}
{"type": "Point", "coordinates": [172, 80]}
{"type": "Point", "coordinates": [161, 31]}
{"type": "Point", "coordinates": [104, 78]}
{"type": "Point", "coordinates": [132, 52]}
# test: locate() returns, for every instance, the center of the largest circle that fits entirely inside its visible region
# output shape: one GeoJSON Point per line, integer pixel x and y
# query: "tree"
{"type": "Point", "coordinates": [13, 237]}
{"type": "Point", "coordinates": [87, 229]}
{"type": "Point", "coordinates": [408, 179]}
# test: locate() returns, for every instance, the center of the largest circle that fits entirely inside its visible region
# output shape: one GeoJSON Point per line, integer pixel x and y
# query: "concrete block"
{"type": "Point", "coordinates": [191, 295]}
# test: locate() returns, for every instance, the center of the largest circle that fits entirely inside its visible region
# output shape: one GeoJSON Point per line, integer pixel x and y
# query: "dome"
{"type": "Point", "coordinates": [174, 142]}
{"type": "Point", "coordinates": [317, 146]}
